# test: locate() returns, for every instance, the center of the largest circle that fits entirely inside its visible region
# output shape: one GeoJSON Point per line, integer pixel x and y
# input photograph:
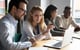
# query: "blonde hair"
{"type": "Point", "coordinates": [30, 19]}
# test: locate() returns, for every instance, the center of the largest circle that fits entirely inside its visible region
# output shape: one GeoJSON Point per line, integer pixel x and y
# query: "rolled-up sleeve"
{"type": "Point", "coordinates": [7, 41]}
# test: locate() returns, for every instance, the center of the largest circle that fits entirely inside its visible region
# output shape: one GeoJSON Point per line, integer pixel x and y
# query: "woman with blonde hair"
{"type": "Point", "coordinates": [35, 27]}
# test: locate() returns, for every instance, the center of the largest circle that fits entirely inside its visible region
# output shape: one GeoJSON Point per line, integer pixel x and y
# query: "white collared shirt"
{"type": "Point", "coordinates": [7, 31]}
{"type": "Point", "coordinates": [65, 23]}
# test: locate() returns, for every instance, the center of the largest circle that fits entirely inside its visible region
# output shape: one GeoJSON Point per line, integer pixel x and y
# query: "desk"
{"type": "Point", "coordinates": [75, 45]}
{"type": "Point", "coordinates": [76, 35]}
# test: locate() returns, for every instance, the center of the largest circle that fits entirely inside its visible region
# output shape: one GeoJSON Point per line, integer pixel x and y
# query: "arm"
{"type": "Point", "coordinates": [7, 40]}
{"type": "Point", "coordinates": [46, 33]}
{"type": "Point", "coordinates": [57, 22]}
{"type": "Point", "coordinates": [73, 23]}
{"type": "Point", "coordinates": [28, 29]}
{"type": "Point", "coordinates": [77, 28]}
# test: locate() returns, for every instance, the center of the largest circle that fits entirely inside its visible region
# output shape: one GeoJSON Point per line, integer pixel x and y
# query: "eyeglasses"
{"type": "Point", "coordinates": [23, 10]}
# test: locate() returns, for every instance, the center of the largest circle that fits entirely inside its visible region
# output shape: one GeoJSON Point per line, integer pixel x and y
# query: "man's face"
{"type": "Point", "coordinates": [21, 11]}
{"type": "Point", "coordinates": [67, 13]}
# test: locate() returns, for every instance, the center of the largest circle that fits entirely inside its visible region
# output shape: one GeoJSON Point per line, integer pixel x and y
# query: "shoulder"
{"type": "Point", "coordinates": [27, 24]}
{"type": "Point", "coordinates": [4, 21]}
{"type": "Point", "coordinates": [58, 17]}
{"type": "Point", "coordinates": [70, 17]}
{"type": "Point", "coordinates": [3, 26]}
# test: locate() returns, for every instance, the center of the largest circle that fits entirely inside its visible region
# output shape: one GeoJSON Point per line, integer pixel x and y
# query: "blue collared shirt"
{"type": "Point", "coordinates": [8, 26]}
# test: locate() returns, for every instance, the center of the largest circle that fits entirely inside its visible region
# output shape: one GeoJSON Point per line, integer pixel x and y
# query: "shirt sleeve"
{"type": "Point", "coordinates": [57, 22]}
{"type": "Point", "coordinates": [73, 23]}
{"type": "Point", "coordinates": [47, 34]}
{"type": "Point", "coordinates": [7, 40]}
{"type": "Point", "coordinates": [28, 29]}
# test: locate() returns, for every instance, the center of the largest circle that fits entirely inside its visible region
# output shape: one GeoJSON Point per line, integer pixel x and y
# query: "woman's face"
{"type": "Point", "coordinates": [37, 16]}
{"type": "Point", "coordinates": [53, 14]}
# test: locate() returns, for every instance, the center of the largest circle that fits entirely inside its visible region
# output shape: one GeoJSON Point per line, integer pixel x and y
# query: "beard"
{"type": "Point", "coordinates": [16, 17]}
{"type": "Point", "coordinates": [19, 18]}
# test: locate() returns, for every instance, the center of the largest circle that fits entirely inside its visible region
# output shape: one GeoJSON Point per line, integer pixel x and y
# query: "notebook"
{"type": "Point", "coordinates": [61, 43]}
{"type": "Point", "coordinates": [38, 48]}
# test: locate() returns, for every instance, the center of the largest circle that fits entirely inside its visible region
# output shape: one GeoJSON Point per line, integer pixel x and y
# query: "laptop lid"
{"type": "Point", "coordinates": [68, 36]}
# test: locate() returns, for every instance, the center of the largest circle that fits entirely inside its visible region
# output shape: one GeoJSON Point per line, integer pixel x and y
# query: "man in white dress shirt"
{"type": "Point", "coordinates": [8, 25]}
{"type": "Point", "coordinates": [66, 20]}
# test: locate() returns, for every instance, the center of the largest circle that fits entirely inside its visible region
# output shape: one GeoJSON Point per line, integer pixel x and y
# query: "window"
{"type": "Point", "coordinates": [2, 8]}
{"type": "Point", "coordinates": [75, 4]}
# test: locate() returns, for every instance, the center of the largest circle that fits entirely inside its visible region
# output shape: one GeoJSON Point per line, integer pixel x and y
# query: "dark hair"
{"type": "Point", "coordinates": [67, 8]}
{"type": "Point", "coordinates": [16, 3]}
{"type": "Point", "coordinates": [48, 11]}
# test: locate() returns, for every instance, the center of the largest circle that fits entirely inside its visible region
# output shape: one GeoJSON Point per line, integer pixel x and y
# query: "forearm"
{"type": "Point", "coordinates": [9, 44]}
{"type": "Point", "coordinates": [22, 45]}
{"type": "Point", "coordinates": [16, 45]}
{"type": "Point", "coordinates": [45, 35]}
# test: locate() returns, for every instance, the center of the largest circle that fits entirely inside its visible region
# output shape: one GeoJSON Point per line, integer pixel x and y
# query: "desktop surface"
{"type": "Point", "coordinates": [75, 45]}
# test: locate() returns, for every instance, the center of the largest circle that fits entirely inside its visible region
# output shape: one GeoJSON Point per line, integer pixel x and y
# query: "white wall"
{"type": "Point", "coordinates": [44, 4]}
{"type": "Point", "coordinates": [60, 4]}
{"type": "Point", "coordinates": [33, 3]}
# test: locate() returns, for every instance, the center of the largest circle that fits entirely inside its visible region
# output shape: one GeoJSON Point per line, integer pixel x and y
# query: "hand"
{"type": "Point", "coordinates": [33, 41]}
{"type": "Point", "coordinates": [77, 29]}
{"type": "Point", "coordinates": [50, 27]}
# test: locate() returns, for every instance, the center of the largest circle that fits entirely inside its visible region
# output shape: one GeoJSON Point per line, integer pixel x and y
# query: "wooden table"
{"type": "Point", "coordinates": [75, 45]}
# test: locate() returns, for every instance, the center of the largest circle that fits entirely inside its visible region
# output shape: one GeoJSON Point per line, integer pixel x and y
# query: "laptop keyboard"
{"type": "Point", "coordinates": [58, 44]}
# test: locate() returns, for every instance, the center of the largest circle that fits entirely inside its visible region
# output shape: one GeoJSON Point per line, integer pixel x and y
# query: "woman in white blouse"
{"type": "Point", "coordinates": [35, 27]}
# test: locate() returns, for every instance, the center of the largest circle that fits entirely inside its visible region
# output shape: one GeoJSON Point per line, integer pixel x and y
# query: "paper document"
{"type": "Point", "coordinates": [38, 48]}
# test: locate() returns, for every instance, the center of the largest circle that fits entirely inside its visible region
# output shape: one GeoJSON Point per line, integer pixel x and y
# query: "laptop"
{"type": "Point", "coordinates": [58, 44]}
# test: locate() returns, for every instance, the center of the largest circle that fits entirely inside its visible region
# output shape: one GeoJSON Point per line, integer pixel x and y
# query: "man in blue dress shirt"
{"type": "Point", "coordinates": [8, 25]}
